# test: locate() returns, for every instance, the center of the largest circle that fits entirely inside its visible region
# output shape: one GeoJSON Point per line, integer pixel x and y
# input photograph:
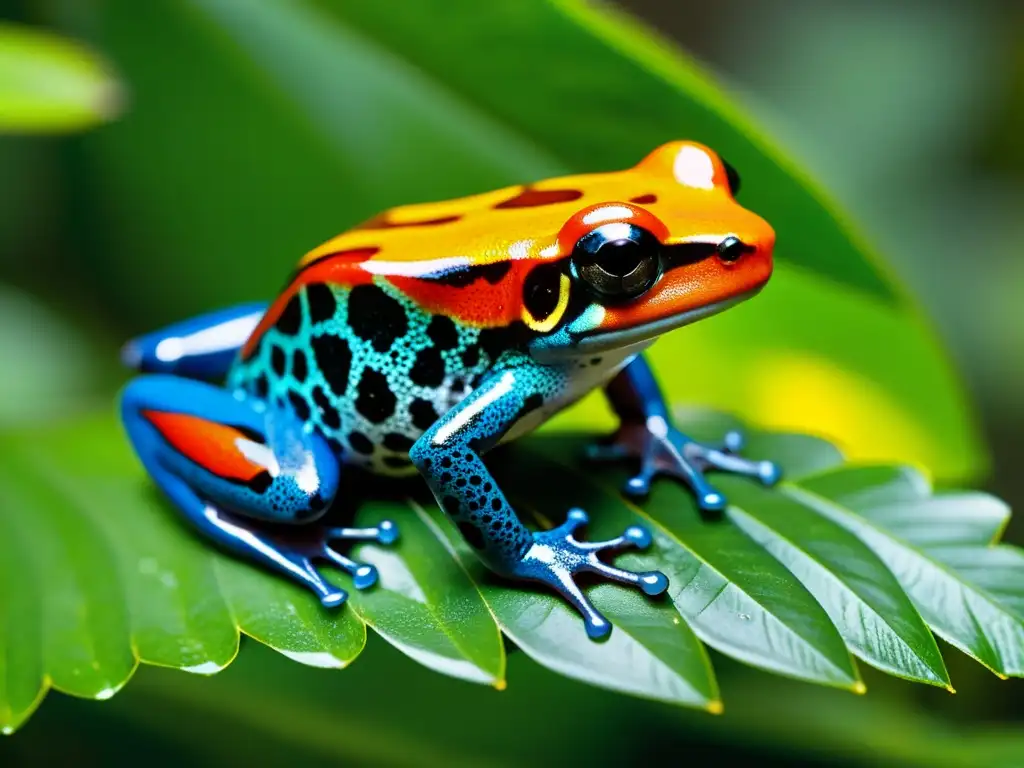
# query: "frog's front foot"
{"type": "Point", "coordinates": [664, 450]}
{"type": "Point", "coordinates": [556, 556]}
{"type": "Point", "coordinates": [303, 547]}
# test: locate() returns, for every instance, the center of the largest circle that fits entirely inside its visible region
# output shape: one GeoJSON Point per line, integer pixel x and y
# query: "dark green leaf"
{"type": "Point", "coordinates": [306, 117]}
{"type": "Point", "coordinates": [425, 603]}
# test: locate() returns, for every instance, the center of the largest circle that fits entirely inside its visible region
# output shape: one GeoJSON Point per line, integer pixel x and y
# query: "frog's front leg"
{"type": "Point", "coordinates": [226, 462]}
{"type": "Point", "coordinates": [646, 433]}
{"type": "Point", "coordinates": [449, 457]}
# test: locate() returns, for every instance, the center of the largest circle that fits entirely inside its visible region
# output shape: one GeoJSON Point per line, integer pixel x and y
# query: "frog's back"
{"type": "Point", "coordinates": [365, 366]}
{"type": "Point", "coordinates": [385, 327]}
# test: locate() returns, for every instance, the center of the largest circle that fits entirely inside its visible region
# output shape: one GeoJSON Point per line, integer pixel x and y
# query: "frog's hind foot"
{"type": "Point", "coordinates": [663, 450]}
{"type": "Point", "coordinates": [556, 556]}
{"type": "Point", "coordinates": [305, 547]}
{"type": "Point", "coordinates": [251, 479]}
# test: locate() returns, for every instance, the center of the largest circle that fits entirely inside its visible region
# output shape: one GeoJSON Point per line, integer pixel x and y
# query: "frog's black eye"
{"type": "Point", "coordinates": [731, 248]}
{"type": "Point", "coordinates": [617, 260]}
{"type": "Point", "coordinates": [734, 179]}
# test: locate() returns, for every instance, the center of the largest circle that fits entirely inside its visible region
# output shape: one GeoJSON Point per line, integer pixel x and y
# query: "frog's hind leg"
{"type": "Point", "coordinates": [230, 464]}
{"type": "Point", "coordinates": [201, 347]}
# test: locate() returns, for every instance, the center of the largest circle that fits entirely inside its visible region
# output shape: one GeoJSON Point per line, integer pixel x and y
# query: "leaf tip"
{"type": "Point", "coordinates": [716, 707]}
{"type": "Point", "coordinates": [500, 685]}
{"type": "Point", "coordinates": [7, 730]}
{"type": "Point", "coordinates": [205, 668]}
{"type": "Point", "coordinates": [950, 688]}
{"type": "Point", "coordinates": [859, 688]}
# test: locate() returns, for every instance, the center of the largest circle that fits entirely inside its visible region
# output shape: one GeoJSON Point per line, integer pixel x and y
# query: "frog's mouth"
{"type": "Point", "coordinates": [570, 342]}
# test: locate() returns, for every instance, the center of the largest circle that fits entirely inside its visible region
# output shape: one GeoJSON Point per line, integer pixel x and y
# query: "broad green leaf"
{"type": "Point", "coordinates": [425, 604]}
{"type": "Point", "coordinates": [863, 599]}
{"type": "Point", "coordinates": [939, 548]}
{"type": "Point", "coordinates": [49, 84]}
{"type": "Point", "coordinates": [104, 577]}
{"type": "Point", "coordinates": [316, 114]}
{"type": "Point", "coordinates": [98, 574]}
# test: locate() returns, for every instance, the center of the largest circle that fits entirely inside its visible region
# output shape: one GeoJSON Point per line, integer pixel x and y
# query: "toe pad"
{"type": "Point", "coordinates": [334, 599]}
{"type": "Point", "coordinates": [639, 536]}
{"type": "Point", "coordinates": [653, 582]}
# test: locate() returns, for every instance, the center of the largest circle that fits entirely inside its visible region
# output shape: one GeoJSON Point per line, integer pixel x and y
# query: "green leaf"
{"type": "Point", "coordinates": [425, 604]}
{"type": "Point", "coordinates": [940, 549]}
{"type": "Point", "coordinates": [49, 84]}
{"type": "Point", "coordinates": [316, 114]}
{"type": "Point", "coordinates": [98, 573]}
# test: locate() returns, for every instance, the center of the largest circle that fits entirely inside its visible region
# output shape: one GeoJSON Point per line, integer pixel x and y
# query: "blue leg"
{"type": "Point", "coordinates": [646, 433]}
{"type": "Point", "coordinates": [449, 457]}
{"type": "Point", "coordinates": [226, 463]}
{"type": "Point", "coordinates": [201, 347]}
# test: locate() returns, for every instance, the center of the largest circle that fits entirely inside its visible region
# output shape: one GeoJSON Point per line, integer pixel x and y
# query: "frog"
{"type": "Point", "coordinates": [416, 342]}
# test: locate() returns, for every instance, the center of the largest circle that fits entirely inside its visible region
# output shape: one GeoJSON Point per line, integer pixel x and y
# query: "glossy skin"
{"type": "Point", "coordinates": [426, 336]}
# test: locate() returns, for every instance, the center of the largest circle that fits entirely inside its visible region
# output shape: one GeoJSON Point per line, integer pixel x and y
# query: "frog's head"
{"type": "Point", "coordinates": [672, 247]}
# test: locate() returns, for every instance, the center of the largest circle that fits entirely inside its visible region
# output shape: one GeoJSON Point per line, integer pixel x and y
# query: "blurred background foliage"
{"type": "Point", "coordinates": [910, 113]}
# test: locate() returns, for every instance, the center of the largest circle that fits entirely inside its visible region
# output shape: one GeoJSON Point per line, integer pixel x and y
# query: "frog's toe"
{"type": "Point", "coordinates": [557, 556]}
{"type": "Point", "coordinates": [363, 575]}
{"type": "Point", "coordinates": [333, 598]}
{"type": "Point", "coordinates": [769, 473]}
{"type": "Point", "coordinates": [640, 484]}
{"type": "Point", "coordinates": [711, 500]}
{"type": "Point", "coordinates": [385, 532]}
{"type": "Point", "coordinates": [329, 595]}
{"type": "Point", "coordinates": [734, 441]}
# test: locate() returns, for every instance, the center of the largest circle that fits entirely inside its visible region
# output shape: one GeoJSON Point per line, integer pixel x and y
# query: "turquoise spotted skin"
{"type": "Point", "coordinates": [367, 369]}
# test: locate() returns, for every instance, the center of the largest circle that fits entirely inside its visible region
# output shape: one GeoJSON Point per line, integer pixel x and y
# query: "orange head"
{"type": "Point", "coordinates": [676, 248]}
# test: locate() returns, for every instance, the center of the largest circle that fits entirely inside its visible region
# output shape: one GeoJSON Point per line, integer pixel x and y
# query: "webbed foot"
{"type": "Point", "coordinates": [556, 556]}
{"type": "Point", "coordinates": [301, 549]}
{"type": "Point", "coordinates": [664, 450]}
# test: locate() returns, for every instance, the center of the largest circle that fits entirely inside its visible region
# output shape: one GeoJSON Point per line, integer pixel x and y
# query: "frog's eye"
{"type": "Point", "coordinates": [617, 260]}
{"type": "Point", "coordinates": [734, 178]}
{"type": "Point", "coordinates": [545, 297]}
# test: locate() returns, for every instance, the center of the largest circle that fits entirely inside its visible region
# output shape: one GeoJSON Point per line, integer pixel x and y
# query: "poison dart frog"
{"type": "Point", "coordinates": [424, 337]}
